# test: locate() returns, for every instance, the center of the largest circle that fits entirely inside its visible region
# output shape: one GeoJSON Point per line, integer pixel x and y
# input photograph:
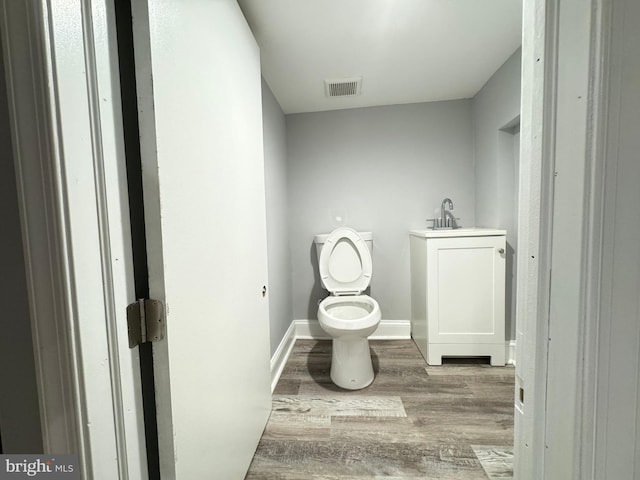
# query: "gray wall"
{"type": "Point", "coordinates": [19, 411]}
{"type": "Point", "coordinates": [278, 256]}
{"type": "Point", "coordinates": [379, 169]}
{"type": "Point", "coordinates": [496, 116]}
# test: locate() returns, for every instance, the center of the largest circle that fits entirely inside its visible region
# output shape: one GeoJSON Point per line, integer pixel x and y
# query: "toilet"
{"type": "Point", "coordinates": [347, 315]}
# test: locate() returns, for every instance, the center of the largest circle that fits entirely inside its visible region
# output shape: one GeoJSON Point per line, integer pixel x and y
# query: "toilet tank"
{"type": "Point", "coordinates": [321, 238]}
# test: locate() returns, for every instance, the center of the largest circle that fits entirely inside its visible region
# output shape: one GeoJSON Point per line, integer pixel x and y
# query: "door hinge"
{"type": "Point", "coordinates": [145, 321]}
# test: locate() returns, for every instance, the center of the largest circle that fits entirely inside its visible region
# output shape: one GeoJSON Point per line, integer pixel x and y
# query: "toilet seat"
{"type": "Point", "coordinates": [345, 263]}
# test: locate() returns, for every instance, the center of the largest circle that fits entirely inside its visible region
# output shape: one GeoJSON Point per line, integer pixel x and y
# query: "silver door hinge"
{"type": "Point", "coordinates": [145, 321]}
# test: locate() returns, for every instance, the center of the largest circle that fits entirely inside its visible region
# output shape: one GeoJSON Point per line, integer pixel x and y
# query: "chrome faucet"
{"type": "Point", "coordinates": [443, 211]}
{"type": "Point", "coordinates": [446, 220]}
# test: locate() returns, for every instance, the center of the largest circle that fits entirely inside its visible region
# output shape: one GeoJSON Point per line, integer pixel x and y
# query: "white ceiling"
{"type": "Point", "coordinates": [406, 51]}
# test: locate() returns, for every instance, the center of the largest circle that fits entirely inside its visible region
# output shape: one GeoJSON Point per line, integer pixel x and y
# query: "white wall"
{"type": "Point", "coordinates": [383, 169]}
{"type": "Point", "coordinates": [19, 411]}
{"type": "Point", "coordinates": [278, 255]}
{"type": "Point", "coordinates": [496, 112]}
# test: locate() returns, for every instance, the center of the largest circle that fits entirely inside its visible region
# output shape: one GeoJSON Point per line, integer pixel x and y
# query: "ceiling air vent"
{"type": "Point", "coordinates": [344, 87]}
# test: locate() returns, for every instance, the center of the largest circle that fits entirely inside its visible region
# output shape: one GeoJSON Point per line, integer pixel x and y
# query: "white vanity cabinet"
{"type": "Point", "coordinates": [457, 293]}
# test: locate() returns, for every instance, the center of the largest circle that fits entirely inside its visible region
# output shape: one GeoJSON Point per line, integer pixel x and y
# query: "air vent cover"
{"type": "Point", "coordinates": [343, 87]}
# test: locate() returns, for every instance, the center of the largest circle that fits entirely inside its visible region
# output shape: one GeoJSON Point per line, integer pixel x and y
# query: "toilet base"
{"type": "Point", "coordinates": [351, 366]}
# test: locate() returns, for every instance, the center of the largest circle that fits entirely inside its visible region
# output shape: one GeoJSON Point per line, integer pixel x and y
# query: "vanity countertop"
{"type": "Point", "coordinates": [457, 232]}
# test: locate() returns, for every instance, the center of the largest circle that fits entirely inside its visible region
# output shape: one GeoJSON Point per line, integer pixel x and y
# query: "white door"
{"type": "Point", "coordinates": [199, 86]}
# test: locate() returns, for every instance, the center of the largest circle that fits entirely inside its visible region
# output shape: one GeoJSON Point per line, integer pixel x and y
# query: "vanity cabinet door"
{"type": "Point", "coordinates": [465, 290]}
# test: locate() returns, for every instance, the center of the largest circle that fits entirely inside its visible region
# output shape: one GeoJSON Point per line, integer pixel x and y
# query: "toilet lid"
{"type": "Point", "coordinates": [345, 263]}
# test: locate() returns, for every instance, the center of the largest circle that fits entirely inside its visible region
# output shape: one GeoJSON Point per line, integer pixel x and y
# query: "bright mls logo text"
{"type": "Point", "coordinates": [30, 468]}
{"type": "Point", "coordinates": [27, 466]}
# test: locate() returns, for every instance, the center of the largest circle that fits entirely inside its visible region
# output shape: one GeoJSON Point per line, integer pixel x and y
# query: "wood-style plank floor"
{"type": "Point", "coordinates": [413, 421]}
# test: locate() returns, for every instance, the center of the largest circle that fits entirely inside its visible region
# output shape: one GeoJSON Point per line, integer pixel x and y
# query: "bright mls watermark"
{"type": "Point", "coordinates": [51, 467]}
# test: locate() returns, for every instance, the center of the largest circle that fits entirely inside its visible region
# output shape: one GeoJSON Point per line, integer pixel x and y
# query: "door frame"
{"type": "Point", "coordinates": [55, 250]}
{"type": "Point", "coordinates": [64, 100]}
{"type": "Point", "coordinates": [534, 227]}
{"type": "Point", "coordinates": [564, 97]}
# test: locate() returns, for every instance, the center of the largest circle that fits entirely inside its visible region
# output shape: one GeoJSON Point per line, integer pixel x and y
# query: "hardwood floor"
{"type": "Point", "coordinates": [413, 421]}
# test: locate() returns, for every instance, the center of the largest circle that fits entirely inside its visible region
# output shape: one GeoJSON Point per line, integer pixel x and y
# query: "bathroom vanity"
{"type": "Point", "coordinates": [457, 293]}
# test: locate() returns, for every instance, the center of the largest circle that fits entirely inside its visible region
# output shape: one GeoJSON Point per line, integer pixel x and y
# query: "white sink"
{"type": "Point", "coordinates": [457, 232]}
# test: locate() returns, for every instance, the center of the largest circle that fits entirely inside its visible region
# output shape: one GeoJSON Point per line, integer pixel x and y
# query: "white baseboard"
{"type": "Point", "coordinates": [281, 354]}
{"type": "Point", "coordinates": [392, 330]}
{"type": "Point", "coordinates": [511, 352]}
{"type": "Point", "coordinates": [310, 330]}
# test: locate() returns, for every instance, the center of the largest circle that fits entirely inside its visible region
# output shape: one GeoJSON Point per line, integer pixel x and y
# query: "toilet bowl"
{"type": "Point", "coordinates": [347, 315]}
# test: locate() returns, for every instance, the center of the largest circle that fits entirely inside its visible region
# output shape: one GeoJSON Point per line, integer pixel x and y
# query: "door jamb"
{"type": "Point", "coordinates": [66, 127]}
{"type": "Point", "coordinates": [535, 204]}
{"type": "Point", "coordinates": [546, 35]}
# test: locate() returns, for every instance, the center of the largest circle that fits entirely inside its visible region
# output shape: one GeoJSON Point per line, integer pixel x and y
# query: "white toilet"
{"type": "Point", "coordinates": [344, 257]}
